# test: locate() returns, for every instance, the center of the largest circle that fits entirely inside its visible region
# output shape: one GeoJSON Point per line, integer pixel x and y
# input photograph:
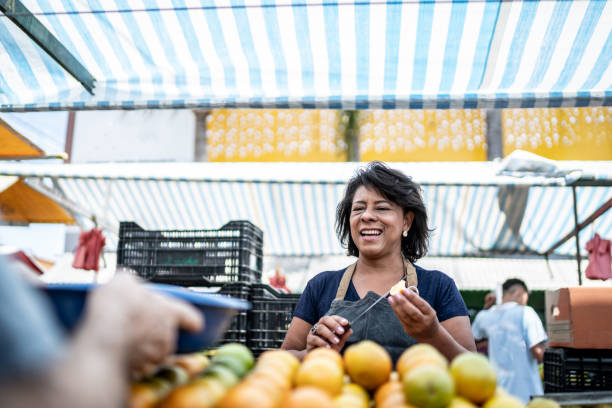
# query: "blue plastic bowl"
{"type": "Point", "coordinates": [68, 301]}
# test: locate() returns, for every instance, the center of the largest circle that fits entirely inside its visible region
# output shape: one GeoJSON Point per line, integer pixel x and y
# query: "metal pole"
{"type": "Point", "coordinates": [576, 233]}
{"type": "Point", "coordinates": [495, 144]}
{"type": "Point", "coordinates": [70, 135]}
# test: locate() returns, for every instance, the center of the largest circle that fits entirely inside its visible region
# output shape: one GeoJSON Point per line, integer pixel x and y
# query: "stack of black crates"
{"type": "Point", "coordinates": [577, 370]}
{"type": "Point", "coordinates": [228, 261]}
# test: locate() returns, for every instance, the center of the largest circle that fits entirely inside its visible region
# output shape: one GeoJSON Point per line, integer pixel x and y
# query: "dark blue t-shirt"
{"type": "Point", "coordinates": [438, 289]}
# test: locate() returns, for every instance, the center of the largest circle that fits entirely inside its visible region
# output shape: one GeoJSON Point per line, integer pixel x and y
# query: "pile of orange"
{"type": "Point", "coordinates": [362, 378]}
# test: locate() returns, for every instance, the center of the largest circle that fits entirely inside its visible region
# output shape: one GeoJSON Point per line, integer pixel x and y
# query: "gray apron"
{"type": "Point", "coordinates": [380, 324]}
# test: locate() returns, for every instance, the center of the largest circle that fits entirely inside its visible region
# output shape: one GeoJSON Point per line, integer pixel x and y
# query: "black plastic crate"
{"type": "Point", "coordinates": [233, 253]}
{"type": "Point", "coordinates": [567, 369]}
{"type": "Point", "coordinates": [238, 329]}
{"type": "Point", "coordinates": [269, 318]}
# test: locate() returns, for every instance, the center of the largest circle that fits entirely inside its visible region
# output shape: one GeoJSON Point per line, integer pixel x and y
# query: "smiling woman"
{"type": "Point", "coordinates": [382, 221]}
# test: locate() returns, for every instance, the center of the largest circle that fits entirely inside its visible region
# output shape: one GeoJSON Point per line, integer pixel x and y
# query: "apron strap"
{"type": "Point", "coordinates": [411, 275]}
{"type": "Point", "coordinates": [410, 271]}
{"type": "Point", "coordinates": [345, 281]}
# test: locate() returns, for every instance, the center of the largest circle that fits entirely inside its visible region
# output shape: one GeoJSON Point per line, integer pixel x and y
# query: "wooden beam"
{"type": "Point", "coordinates": [25, 20]}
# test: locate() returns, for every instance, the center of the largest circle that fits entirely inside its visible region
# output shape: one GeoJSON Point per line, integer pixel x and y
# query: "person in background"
{"type": "Point", "coordinates": [382, 221]}
{"type": "Point", "coordinates": [482, 345]}
{"type": "Point", "coordinates": [125, 329]}
{"type": "Point", "coordinates": [516, 340]}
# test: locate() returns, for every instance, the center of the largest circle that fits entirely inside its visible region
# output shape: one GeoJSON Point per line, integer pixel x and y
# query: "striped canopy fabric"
{"type": "Point", "coordinates": [294, 204]}
{"type": "Point", "coordinates": [313, 54]}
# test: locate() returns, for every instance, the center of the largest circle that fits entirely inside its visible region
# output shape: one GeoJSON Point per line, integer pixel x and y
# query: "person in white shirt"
{"type": "Point", "coordinates": [516, 340]}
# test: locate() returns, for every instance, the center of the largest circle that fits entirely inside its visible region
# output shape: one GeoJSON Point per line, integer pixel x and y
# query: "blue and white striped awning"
{"type": "Point", "coordinates": [473, 211]}
{"type": "Point", "coordinates": [313, 53]}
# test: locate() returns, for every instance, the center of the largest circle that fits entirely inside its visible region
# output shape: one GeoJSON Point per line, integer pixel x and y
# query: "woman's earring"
{"type": "Point", "coordinates": [405, 233]}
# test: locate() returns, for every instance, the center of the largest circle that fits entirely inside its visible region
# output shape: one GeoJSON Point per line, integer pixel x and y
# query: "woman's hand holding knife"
{"type": "Point", "coordinates": [330, 331]}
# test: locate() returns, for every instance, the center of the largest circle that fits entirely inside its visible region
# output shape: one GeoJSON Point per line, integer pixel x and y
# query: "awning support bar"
{"type": "Point", "coordinates": [599, 212]}
{"type": "Point", "coordinates": [25, 20]}
{"type": "Point", "coordinates": [576, 233]}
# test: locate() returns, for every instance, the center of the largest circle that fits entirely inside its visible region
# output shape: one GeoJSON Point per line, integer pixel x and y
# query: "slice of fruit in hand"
{"type": "Point", "coordinates": [397, 287]}
{"type": "Point", "coordinates": [401, 285]}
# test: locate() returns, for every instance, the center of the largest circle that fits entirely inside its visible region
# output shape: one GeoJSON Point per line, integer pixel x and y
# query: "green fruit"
{"type": "Point", "coordinates": [238, 351]}
{"type": "Point", "coordinates": [223, 374]}
{"type": "Point", "coordinates": [428, 386]}
{"type": "Point", "coordinates": [236, 365]}
{"type": "Point", "coordinates": [174, 374]}
{"type": "Point", "coordinates": [161, 385]}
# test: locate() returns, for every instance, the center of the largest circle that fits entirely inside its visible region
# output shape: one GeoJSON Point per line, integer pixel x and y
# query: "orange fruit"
{"type": "Point", "coordinates": [307, 397]}
{"type": "Point", "coordinates": [202, 394]}
{"type": "Point", "coordinates": [279, 355]}
{"type": "Point", "coordinates": [193, 363]}
{"type": "Point", "coordinates": [417, 355]}
{"type": "Point", "coordinates": [268, 374]}
{"type": "Point", "coordinates": [504, 401]}
{"type": "Point", "coordinates": [247, 396]}
{"type": "Point", "coordinates": [142, 395]}
{"type": "Point", "coordinates": [279, 364]}
{"type": "Point", "coordinates": [349, 401]}
{"type": "Point", "coordinates": [474, 376]}
{"type": "Point", "coordinates": [368, 364]}
{"type": "Point", "coordinates": [393, 400]}
{"type": "Point", "coordinates": [549, 403]}
{"type": "Point", "coordinates": [460, 402]}
{"type": "Point", "coordinates": [388, 388]}
{"type": "Point", "coordinates": [323, 352]}
{"type": "Point", "coordinates": [321, 373]}
{"type": "Point", "coordinates": [356, 390]}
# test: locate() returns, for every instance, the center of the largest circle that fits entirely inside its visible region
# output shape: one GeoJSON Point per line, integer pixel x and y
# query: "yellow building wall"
{"type": "Point", "coordinates": [559, 133]}
{"type": "Point", "coordinates": [423, 135]}
{"type": "Point", "coordinates": [406, 135]}
{"type": "Point", "coordinates": [274, 135]}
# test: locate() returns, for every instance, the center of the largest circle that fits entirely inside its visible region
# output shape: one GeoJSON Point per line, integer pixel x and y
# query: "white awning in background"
{"type": "Point", "coordinates": [473, 211]}
{"type": "Point", "coordinates": [280, 54]}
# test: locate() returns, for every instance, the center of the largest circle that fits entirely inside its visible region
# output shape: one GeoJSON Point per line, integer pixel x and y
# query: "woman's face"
{"type": "Point", "coordinates": [377, 224]}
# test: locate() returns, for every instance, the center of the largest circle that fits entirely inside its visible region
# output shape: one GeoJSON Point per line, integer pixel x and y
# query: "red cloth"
{"type": "Point", "coordinates": [278, 281]}
{"type": "Point", "coordinates": [599, 258]}
{"type": "Point", "coordinates": [89, 249]}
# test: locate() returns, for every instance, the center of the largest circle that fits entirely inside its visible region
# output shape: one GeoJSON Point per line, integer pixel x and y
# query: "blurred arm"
{"type": "Point", "coordinates": [125, 328]}
{"type": "Point", "coordinates": [538, 352]}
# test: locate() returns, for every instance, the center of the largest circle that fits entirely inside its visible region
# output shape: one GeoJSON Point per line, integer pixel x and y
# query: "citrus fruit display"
{"type": "Point", "coordinates": [474, 376]}
{"type": "Point", "coordinates": [363, 377]}
{"type": "Point", "coordinates": [368, 364]}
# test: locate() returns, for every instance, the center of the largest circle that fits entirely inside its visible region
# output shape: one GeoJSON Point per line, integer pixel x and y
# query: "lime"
{"type": "Point", "coordinates": [175, 375]}
{"type": "Point", "coordinates": [235, 364]}
{"type": "Point", "coordinates": [238, 351]}
{"type": "Point", "coordinates": [223, 374]}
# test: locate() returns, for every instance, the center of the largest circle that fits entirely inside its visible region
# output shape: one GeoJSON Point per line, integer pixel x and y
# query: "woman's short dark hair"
{"type": "Point", "coordinates": [396, 187]}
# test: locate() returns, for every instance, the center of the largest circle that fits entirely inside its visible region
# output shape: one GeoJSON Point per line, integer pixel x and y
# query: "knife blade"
{"type": "Point", "coordinates": [413, 288]}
